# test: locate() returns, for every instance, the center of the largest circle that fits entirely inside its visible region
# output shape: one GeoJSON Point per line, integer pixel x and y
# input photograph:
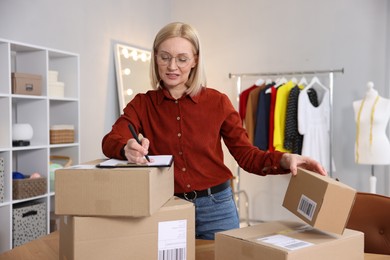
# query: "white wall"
{"type": "Point", "coordinates": [266, 36]}
{"type": "Point", "coordinates": [89, 28]}
{"type": "Point", "coordinates": [237, 36]}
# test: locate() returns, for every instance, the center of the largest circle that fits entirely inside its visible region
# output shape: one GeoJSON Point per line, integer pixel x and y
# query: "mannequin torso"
{"type": "Point", "coordinates": [372, 115]}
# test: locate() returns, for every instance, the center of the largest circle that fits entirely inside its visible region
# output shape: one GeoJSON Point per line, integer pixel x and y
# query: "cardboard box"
{"type": "Point", "coordinates": [26, 84]}
{"type": "Point", "coordinates": [288, 241]}
{"type": "Point", "coordinates": [29, 222]}
{"type": "Point", "coordinates": [56, 89]}
{"type": "Point", "coordinates": [171, 230]}
{"type": "Point", "coordinates": [320, 201]}
{"type": "Point", "coordinates": [204, 249]}
{"type": "Point", "coordinates": [85, 190]}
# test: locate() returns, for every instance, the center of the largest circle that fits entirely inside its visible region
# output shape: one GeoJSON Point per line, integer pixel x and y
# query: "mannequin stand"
{"type": "Point", "coordinates": [372, 180]}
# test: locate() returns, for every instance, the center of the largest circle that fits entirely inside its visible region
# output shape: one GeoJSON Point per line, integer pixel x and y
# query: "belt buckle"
{"type": "Point", "coordinates": [191, 199]}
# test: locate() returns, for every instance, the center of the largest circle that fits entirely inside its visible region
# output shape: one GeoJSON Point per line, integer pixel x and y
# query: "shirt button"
{"type": "Point", "coordinates": [176, 101]}
{"type": "Point", "coordinates": [183, 169]}
{"type": "Point", "coordinates": [179, 134]}
{"type": "Point", "coordinates": [275, 168]}
{"type": "Point", "coordinates": [178, 118]}
{"type": "Point", "coordinates": [180, 153]}
{"type": "Point", "coordinates": [188, 186]}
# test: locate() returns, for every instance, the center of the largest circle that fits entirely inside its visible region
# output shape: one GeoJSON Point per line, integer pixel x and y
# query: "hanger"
{"type": "Point", "coordinates": [316, 81]}
{"type": "Point", "coordinates": [259, 82]}
{"type": "Point", "coordinates": [303, 81]}
{"type": "Point", "coordinates": [294, 80]}
{"type": "Point", "coordinates": [269, 90]}
{"type": "Point", "coordinates": [280, 82]}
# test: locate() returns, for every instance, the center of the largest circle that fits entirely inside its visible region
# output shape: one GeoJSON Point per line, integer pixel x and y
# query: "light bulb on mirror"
{"type": "Point", "coordinates": [129, 92]}
{"type": "Point", "coordinates": [127, 71]}
{"type": "Point", "coordinates": [134, 54]}
{"type": "Point", "coordinates": [125, 53]}
{"type": "Point", "coordinates": [143, 57]}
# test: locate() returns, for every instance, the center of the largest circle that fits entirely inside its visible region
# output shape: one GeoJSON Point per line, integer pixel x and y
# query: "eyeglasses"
{"type": "Point", "coordinates": [164, 59]}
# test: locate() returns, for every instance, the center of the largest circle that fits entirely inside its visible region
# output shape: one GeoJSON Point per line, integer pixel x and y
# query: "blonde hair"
{"type": "Point", "coordinates": [197, 77]}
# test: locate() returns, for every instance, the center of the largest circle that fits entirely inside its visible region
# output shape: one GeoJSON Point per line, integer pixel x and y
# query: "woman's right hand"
{"type": "Point", "coordinates": [135, 152]}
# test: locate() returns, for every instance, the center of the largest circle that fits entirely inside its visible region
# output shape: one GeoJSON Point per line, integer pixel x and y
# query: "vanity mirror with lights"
{"type": "Point", "coordinates": [132, 72]}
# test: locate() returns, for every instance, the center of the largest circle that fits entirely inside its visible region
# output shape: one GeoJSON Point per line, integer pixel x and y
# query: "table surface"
{"type": "Point", "coordinates": [47, 247]}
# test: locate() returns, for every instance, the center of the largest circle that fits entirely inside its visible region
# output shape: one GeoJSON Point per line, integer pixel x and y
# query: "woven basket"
{"type": "Point", "coordinates": [29, 187]}
{"type": "Point", "coordinates": [61, 136]}
{"type": "Point", "coordinates": [65, 161]}
{"type": "Point", "coordinates": [57, 162]}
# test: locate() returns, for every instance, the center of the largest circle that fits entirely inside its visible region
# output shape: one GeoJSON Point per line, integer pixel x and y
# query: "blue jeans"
{"type": "Point", "coordinates": [214, 213]}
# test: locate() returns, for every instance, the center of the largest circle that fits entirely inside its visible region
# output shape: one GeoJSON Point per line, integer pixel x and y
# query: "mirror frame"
{"type": "Point", "coordinates": [127, 58]}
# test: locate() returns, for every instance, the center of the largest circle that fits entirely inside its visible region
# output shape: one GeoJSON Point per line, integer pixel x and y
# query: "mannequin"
{"type": "Point", "coordinates": [372, 115]}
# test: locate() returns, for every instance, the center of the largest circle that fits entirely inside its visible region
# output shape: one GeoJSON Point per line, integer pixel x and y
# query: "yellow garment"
{"type": "Point", "coordinates": [280, 114]}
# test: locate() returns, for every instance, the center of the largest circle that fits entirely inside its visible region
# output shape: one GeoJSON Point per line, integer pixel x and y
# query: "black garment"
{"type": "Point", "coordinates": [293, 140]}
{"type": "Point", "coordinates": [313, 97]}
{"type": "Point", "coordinates": [262, 119]}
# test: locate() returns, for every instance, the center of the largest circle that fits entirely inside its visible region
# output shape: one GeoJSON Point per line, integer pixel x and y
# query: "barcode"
{"type": "Point", "coordinates": [172, 254]}
{"type": "Point", "coordinates": [297, 245]}
{"type": "Point", "coordinates": [307, 207]}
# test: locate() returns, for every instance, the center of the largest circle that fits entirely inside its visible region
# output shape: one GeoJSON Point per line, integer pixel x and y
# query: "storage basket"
{"type": "Point", "coordinates": [29, 222]}
{"type": "Point", "coordinates": [57, 162]}
{"type": "Point", "coordinates": [29, 187]}
{"type": "Point", "coordinates": [64, 161]}
{"type": "Point", "coordinates": [60, 134]}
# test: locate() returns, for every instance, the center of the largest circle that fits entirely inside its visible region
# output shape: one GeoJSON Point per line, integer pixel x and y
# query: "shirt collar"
{"type": "Point", "coordinates": [163, 93]}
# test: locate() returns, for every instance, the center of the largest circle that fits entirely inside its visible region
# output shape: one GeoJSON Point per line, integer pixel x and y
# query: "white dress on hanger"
{"type": "Point", "coordinates": [314, 125]}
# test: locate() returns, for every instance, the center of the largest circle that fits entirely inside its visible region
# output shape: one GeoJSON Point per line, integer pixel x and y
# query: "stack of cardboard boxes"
{"type": "Point", "coordinates": [122, 213]}
{"type": "Point", "coordinates": [323, 205]}
{"type": "Point", "coordinates": [131, 213]}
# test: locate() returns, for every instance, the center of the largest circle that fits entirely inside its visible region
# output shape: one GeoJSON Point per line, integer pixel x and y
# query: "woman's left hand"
{"type": "Point", "coordinates": [293, 161]}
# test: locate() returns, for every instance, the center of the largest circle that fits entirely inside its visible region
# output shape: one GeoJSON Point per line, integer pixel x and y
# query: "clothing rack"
{"type": "Point", "coordinates": [331, 72]}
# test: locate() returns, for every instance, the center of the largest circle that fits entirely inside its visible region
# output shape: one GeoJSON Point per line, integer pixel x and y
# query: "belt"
{"type": "Point", "coordinates": [192, 195]}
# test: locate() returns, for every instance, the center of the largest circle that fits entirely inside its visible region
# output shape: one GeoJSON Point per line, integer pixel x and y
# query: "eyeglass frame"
{"type": "Point", "coordinates": [166, 63]}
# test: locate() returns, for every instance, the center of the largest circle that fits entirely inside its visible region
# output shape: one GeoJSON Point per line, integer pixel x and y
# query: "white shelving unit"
{"type": "Point", "coordinates": [40, 112]}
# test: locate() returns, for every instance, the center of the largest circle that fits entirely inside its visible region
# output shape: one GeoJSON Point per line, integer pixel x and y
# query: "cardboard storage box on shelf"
{"type": "Point", "coordinates": [320, 201]}
{"type": "Point", "coordinates": [29, 222]}
{"type": "Point", "coordinates": [288, 241]}
{"type": "Point", "coordinates": [56, 89]}
{"type": "Point", "coordinates": [52, 75]}
{"type": "Point", "coordinates": [86, 190]}
{"type": "Point", "coordinates": [170, 232]}
{"type": "Point", "coordinates": [26, 84]}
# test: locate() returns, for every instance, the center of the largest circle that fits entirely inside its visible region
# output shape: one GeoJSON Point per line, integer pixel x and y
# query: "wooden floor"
{"type": "Point", "coordinates": [47, 248]}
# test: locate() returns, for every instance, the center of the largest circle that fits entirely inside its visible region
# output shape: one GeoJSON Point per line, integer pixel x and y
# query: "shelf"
{"type": "Point", "coordinates": [40, 111]}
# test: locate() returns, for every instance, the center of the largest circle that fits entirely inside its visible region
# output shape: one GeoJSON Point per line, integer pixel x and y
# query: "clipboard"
{"type": "Point", "coordinates": [158, 161]}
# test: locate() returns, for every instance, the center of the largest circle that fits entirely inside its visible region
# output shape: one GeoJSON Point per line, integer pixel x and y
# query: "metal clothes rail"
{"type": "Point", "coordinates": [331, 72]}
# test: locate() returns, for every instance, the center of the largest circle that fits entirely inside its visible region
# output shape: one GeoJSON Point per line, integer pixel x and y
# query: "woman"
{"type": "Point", "coordinates": [184, 118]}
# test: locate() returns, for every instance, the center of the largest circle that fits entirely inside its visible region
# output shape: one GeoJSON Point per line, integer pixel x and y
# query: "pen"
{"type": "Point", "coordinates": [136, 138]}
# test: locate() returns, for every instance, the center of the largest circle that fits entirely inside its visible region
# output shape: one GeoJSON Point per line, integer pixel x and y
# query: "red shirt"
{"type": "Point", "coordinates": [191, 129]}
